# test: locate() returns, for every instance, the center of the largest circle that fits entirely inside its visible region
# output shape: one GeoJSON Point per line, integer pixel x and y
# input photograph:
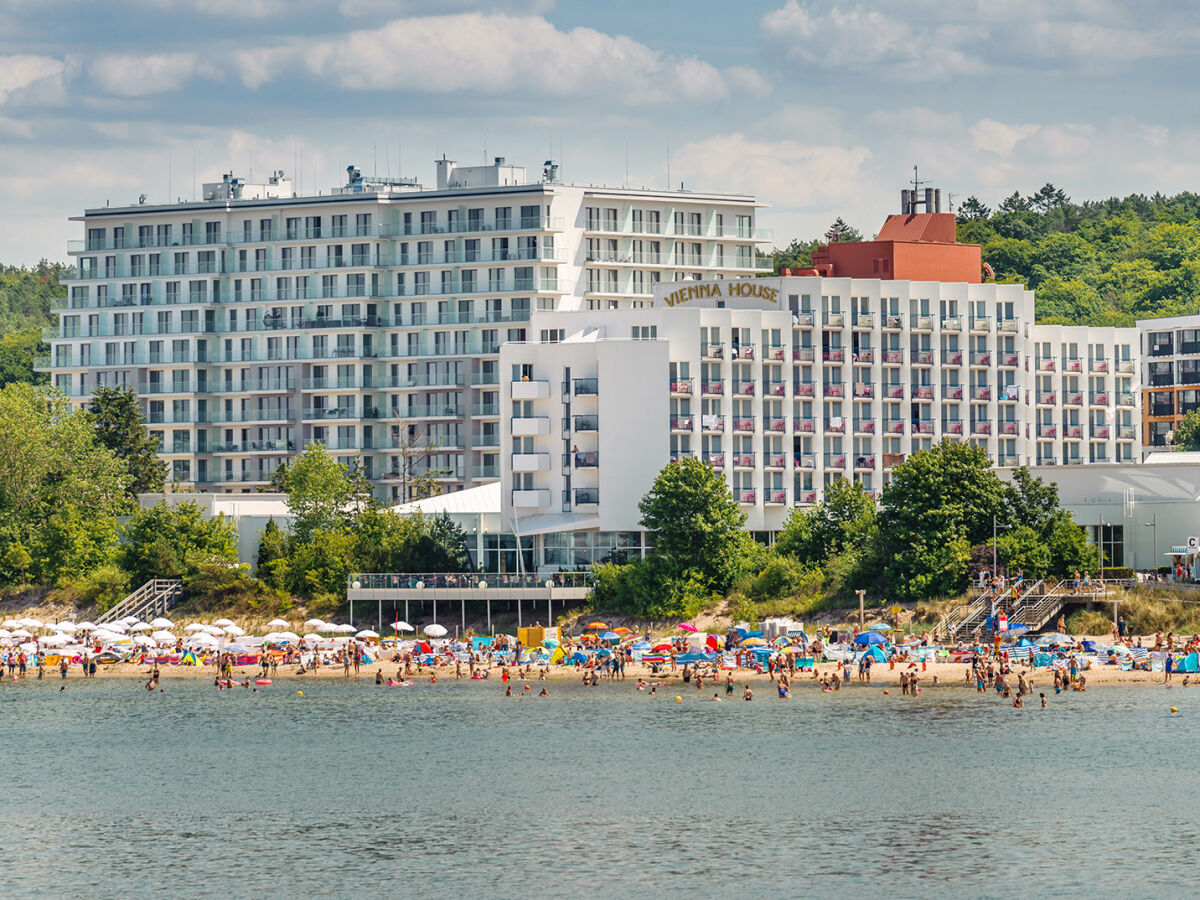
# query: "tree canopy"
{"type": "Point", "coordinates": [120, 427]}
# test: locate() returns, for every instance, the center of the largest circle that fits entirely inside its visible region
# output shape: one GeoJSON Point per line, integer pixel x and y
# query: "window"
{"type": "Point", "coordinates": [645, 332]}
{"type": "Point", "coordinates": [552, 335]}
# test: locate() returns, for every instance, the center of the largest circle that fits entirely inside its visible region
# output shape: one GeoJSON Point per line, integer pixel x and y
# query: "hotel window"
{"type": "Point", "coordinates": [260, 260]}
{"type": "Point", "coordinates": [593, 218]}
{"type": "Point", "coordinates": [645, 332]}
{"type": "Point", "coordinates": [610, 220]}
{"type": "Point", "coordinates": [653, 221]}
{"type": "Point", "coordinates": [638, 224]}
{"type": "Point", "coordinates": [362, 225]}
{"type": "Point", "coordinates": [552, 335]}
{"type": "Point", "coordinates": [356, 285]}
{"type": "Point", "coordinates": [719, 256]}
{"type": "Point", "coordinates": [212, 232]}
{"type": "Point", "coordinates": [503, 218]}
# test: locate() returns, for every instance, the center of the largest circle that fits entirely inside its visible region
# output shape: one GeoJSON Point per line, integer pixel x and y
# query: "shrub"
{"type": "Point", "coordinates": [1089, 621]}
{"type": "Point", "coordinates": [106, 587]}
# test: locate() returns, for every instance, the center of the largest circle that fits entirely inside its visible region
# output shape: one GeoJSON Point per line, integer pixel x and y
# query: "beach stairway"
{"type": "Point", "coordinates": [964, 619]}
{"type": "Point", "coordinates": [152, 599]}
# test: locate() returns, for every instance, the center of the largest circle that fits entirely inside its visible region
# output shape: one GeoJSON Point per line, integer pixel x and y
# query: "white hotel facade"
{"type": "Point", "coordinates": [786, 384]}
{"type": "Point", "coordinates": [255, 321]}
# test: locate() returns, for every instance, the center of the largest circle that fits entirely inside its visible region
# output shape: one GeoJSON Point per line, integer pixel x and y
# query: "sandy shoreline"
{"type": "Point", "coordinates": [946, 673]}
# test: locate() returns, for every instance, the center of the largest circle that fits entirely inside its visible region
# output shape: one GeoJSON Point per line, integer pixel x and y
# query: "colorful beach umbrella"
{"type": "Point", "coordinates": [869, 638]}
{"type": "Point", "coordinates": [753, 642]}
{"type": "Point", "coordinates": [623, 630]}
{"type": "Point", "coordinates": [881, 626]}
{"type": "Point", "coordinates": [599, 625]}
{"type": "Point", "coordinates": [663, 647]}
{"type": "Point", "coordinates": [688, 626]}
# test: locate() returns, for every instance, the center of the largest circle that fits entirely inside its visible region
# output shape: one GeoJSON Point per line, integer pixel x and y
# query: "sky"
{"type": "Point", "coordinates": [820, 109]}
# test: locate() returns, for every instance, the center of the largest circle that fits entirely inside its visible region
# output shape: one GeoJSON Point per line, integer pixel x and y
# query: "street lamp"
{"type": "Point", "coordinates": [356, 585]}
{"type": "Point", "coordinates": [420, 587]}
{"type": "Point", "coordinates": [549, 603]}
{"type": "Point", "coordinates": [483, 587]}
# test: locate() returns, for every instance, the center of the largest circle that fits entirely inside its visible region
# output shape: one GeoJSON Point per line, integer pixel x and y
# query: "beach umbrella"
{"type": "Point", "coordinates": [143, 640]}
{"type": "Point", "coordinates": [752, 642]}
{"type": "Point", "coordinates": [195, 626]}
{"type": "Point", "coordinates": [869, 638]}
{"type": "Point", "coordinates": [32, 623]}
{"type": "Point", "coordinates": [130, 620]}
{"type": "Point", "coordinates": [141, 626]}
{"type": "Point", "coordinates": [367, 633]}
{"type": "Point", "coordinates": [1054, 638]}
{"type": "Point", "coordinates": [346, 629]}
{"type": "Point", "coordinates": [662, 647]}
{"type": "Point", "coordinates": [234, 630]}
{"type": "Point", "coordinates": [235, 648]}
{"type": "Point", "coordinates": [402, 626]}
{"type": "Point", "coordinates": [222, 623]}
{"type": "Point", "coordinates": [610, 636]}
{"type": "Point", "coordinates": [161, 622]}
{"type": "Point", "coordinates": [314, 623]}
{"type": "Point", "coordinates": [277, 623]}
{"type": "Point", "coordinates": [85, 626]}
{"type": "Point", "coordinates": [688, 626]}
{"type": "Point", "coordinates": [163, 637]}
{"type": "Point", "coordinates": [289, 636]}
{"type": "Point", "coordinates": [328, 628]}
{"type": "Point", "coordinates": [117, 626]}
{"type": "Point", "coordinates": [20, 633]}
{"type": "Point", "coordinates": [599, 625]}
{"type": "Point", "coordinates": [56, 640]}
{"type": "Point", "coordinates": [435, 630]}
{"type": "Point", "coordinates": [881, 626]}
{"type": "Point", "coordinates": [623, 630]}
{"type": "Point", "coordinates": [203, 638]}
{"type": "Point", "coordinates": [5, 633]}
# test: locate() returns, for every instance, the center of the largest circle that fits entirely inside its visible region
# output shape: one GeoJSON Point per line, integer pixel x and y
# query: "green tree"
{"type": "Point", "coordinates": [172, 540]}
{"type": "Point", "coordinates": [271, 564]}
{"type": "Point", "coordinates": [322, 563]}
{"type": "Point", "coordinates": [1187, 432]}
{"type": "Point", "coordinates": [117, 417]}
{"type": "Point", "coordinates": [972, 208]}
{"type": "Point", "coordinates": [17, 353]}
{"type": "Point", "coordinates": [70, 545]}
{"type": "Point", "coordinates": [844, 517]}
{"type": "Point", "coordinates": [323, 495]}
{"type": "Point", "coordinates": [694, 523]}
{"type": "Point", "coordinates": [1048, 197]}
{"type": "Point", "coordinates": [841, 233]}
{"type": "Point", "coordinates": [1013, 203]}
{"type": "Point", "coordinates": [1025, 549]}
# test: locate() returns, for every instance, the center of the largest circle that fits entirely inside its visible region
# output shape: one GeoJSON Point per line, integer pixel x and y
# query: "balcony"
{"type": "Point", "coordinates": [952, 323]}
{"type": "Point", "coordinates": [981, 426]}
{"type": "Point", "coordinates": [530, 390]}
{"type": "Point", "coordinates": [531, 499]}
{"type": "Point", "coordinates": [531, 462]}
{"type": "Point", "coordinates": [1047, 431]}
{"type": "Point", "coordinates": [893, 323]}
{"type": "Point", "coordinates": [952, 357]}
{"type": "Point", "coordinates": [714, 387]}
{"type": "Point", "coordinates": [923, 358]}
{"type": "Point", "coordinates": [681, 423]}
{"type": "Point", "coordinates": [920, 323]}
{"type": "Point", "coordinates": [743, 425]}
{"type": "Point", "coordinates": [893, 357]}
{"type": "Point", "coordinates": [864, 462]}
{"type": "Point", "coordinates": [527, 426]}
{"type": "Point", "coordinates": [804, 461]}
{"type": "Point", "coordinates": [864, 321]}
{"type": "Point", "coordinates": [775, 424]}
{"type": "Point", "coordinates": [680, 455]}
{"type": "Point", "coordinates": [776, 498]}
{"type": "Point", "coordinates": [1098, 398]}
{"type": "Point", "coordinates": [743, 460]}
{"type": "Point", "coordinates": [981, 358]}
{"type": "Point", "coordinates": [922, 426]}
{"type": "Point", "coordinates": [1009, 326]}
{"type": "Point", "coordinates": [864, 389]}
{"type": "Point", "coordinates": [587, 387]}
{"type": "Point", "coordinates": [1098, 365]}
{"type": "Point", "coordinates": [834, 390]}
{"type": "Point", "coordinates": [833, 319]}
{"type": "Point", "coordinates": [803, 389]}
{"type": "Point", "coordinates": [952, 391]}
{"type": "Point", "coordinates": [803, 354]}
{"type": "Point", "coordinates": [774, 388]}
{"type": "Point", "coordinates": [587, 496]}
{"type": "Point", "coordinates": [716, 460]}
{"type": "Point", "coordinates": [481, 472]}
{"type": "Point", "coordinates": [891, 460]}
{"type": "Point", "coordinates": [1010, 428]}
{"type": "Point", "coordinates": [980, 323]}
{"type": "Point", "coordinates": [712, 350]}
{"type": "Point", "coordinates": [833, 354]}
{"type": "Point", "coordinates": [806, 498]}
{"type": "Point", "coordinates": [773, 352]}
{"type": "Point", "coordinates": [894, 392]}
{"type": "Point", "coordinates": [922, 392]}
{"type": "Point", "coordinates": [681, 386]}
{"type": "Point", "coordinates": [981, 392]}
{"type": "Point", "coordinates": [1125, 400]}
{"type": "Point", "coordinates": [1010, 360]}
{"type": "Point", "coordinates": [835, 425]}
{"type": "Point", "coordinates": [1126, 433]}
{"type": "Point", "coordinates": [587, 423]}
{"type": "Point", "coordinates": [711, 423]}
{"type": "Point", "coordinates": [1047, 364]}
{"type": "Point", "coordinates": [741, 351]}
{"type": "Point", "coordinates": [952, 426]}
{"type": "Point", "coordinates": [864, 356]}
{"type": "Point", "coordinates": [744, 388]}
{"type": "Point", "coordinates": [804, 426]}
{"type": "Point", "coordinates": [864, 426]}
{"type": "Point", "coordinates": [774, 460]}
{"type": "Point", "coordinates": [1125, 367]}
{"type": "Point", "coordinates": [804, 319]}
{"type": "Point", "coordinates": [1073, 399]}
{"type": "Point", "coordinates": [1073, 432]}
{"type": "Point", "coordinates": [745, 496]}
{"type": "Point", "coordinates": [1071, 364]}
{"type": "Point", "coordinates": [837, 462]}
{"type": "Point", "coordinates": [1047, 398]}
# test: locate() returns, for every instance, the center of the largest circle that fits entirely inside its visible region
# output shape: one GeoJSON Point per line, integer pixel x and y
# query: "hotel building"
{"type": "Point", "coordinates": [254, 321]}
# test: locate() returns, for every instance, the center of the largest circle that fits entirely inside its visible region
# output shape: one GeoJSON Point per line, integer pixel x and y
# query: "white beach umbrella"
{"type": "Point", "coordinates": [195, 626]}
{"type": "Point", "coordinates": [314, 623]}
{"type": "Point", "coordinates": [10, 623]}
{"type": "Point", "coordinates": [346, 629]}
{"type": "Point", "coordinates": [278, 623]}
{"type": "Point", "coordinates": [163, 637]}
{"type": "Point", "coordinates": [367, 633]}
{"type": "Point", "coordinates": [289, 636]}
{"type": "Point", "coordinates": [21, 633]}
{"type": "Point", "coordinates": [223, 623]}
{"type": "Point", "coordinates": [161, 622]}
{"type": "Point", "coordinates": [328, 628]}
{"type": "Point", "coordinates": [104, 636]}
{"type": "Point", "coordinates": [435, 630]}
{"type": "Point", "coordinates": [119, 627]}
{"type": "Point", "coordinates": [85, 626]}
{"type": "Point", "coordinates": [403, 626]}
{"type": "Point", "coordinates": [67, 627]}
{"type": "Point", "coordinates": [32, 623]}
{"type": "Point", "coordinates": [251, 640]}
{"type": "Point", "coordinates": [214, 630]}
{"type": "Point", "coordinates": [234, 630]}
{"type": "Point", "coordinates": [130, 620]}
{"type": "Point", "coordinates": [312, 639]}
{"type": "Point", "coordinates": [56, 640]}
{"type": "Point", "coordinates": [5, 633]}
{"type": "Point", "coordinates": [143, 640]}
{"type": "Point", "coordinates": [141, 626]}
{"type": "Point", "coordinates": [203, 639]}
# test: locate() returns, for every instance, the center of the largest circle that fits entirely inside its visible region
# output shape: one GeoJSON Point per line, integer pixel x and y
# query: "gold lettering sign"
{"type": "Point", "coordinates": [748, 288]}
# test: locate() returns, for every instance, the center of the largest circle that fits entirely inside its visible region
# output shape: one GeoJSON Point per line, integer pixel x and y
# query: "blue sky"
{"type": "Point", "coordinates": [819, 108]}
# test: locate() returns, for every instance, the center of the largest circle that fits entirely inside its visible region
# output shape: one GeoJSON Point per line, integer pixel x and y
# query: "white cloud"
{"type": "Point", "coordinates": [18, 72]}
{"type": "Point", "coordinates": [999, 137]}
{"type": "Point", "coordinates": [140, 76]}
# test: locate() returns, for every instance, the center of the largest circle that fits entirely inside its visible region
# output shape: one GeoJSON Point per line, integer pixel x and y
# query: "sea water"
{"type": "Point", "coordinates": [454, 789]}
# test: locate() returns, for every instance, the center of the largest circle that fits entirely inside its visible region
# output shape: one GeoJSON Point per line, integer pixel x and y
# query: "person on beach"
{"type": "Point", "coordinates": [728, 684]}
{"type": "Point", "coordinates": [716, 698]}
{"type": "Point", "coordinates": [747, 694]}
{"type": "Point", "coordinates": [1043, 696]}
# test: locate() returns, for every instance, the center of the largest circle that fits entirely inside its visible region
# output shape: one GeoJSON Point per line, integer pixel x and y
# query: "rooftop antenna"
{"type": "Point", "coordinates": [950, 200]}
{"type": "Point", "coordinates": [916, 181]}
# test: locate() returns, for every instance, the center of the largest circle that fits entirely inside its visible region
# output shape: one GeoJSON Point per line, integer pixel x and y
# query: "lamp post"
{"type": "Point", "coordinates": [549, 602]}
{"type": "Point", "coordinates": [356, 585]}
{"type": "Point", "coordinates": [1153, 524]}
{"type": "Point", "coordinates": [420, 587]}
{"type": "Point", "coordinates": [1102, 552]}
{"type": "Point", "coordinates": [483, 587]}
